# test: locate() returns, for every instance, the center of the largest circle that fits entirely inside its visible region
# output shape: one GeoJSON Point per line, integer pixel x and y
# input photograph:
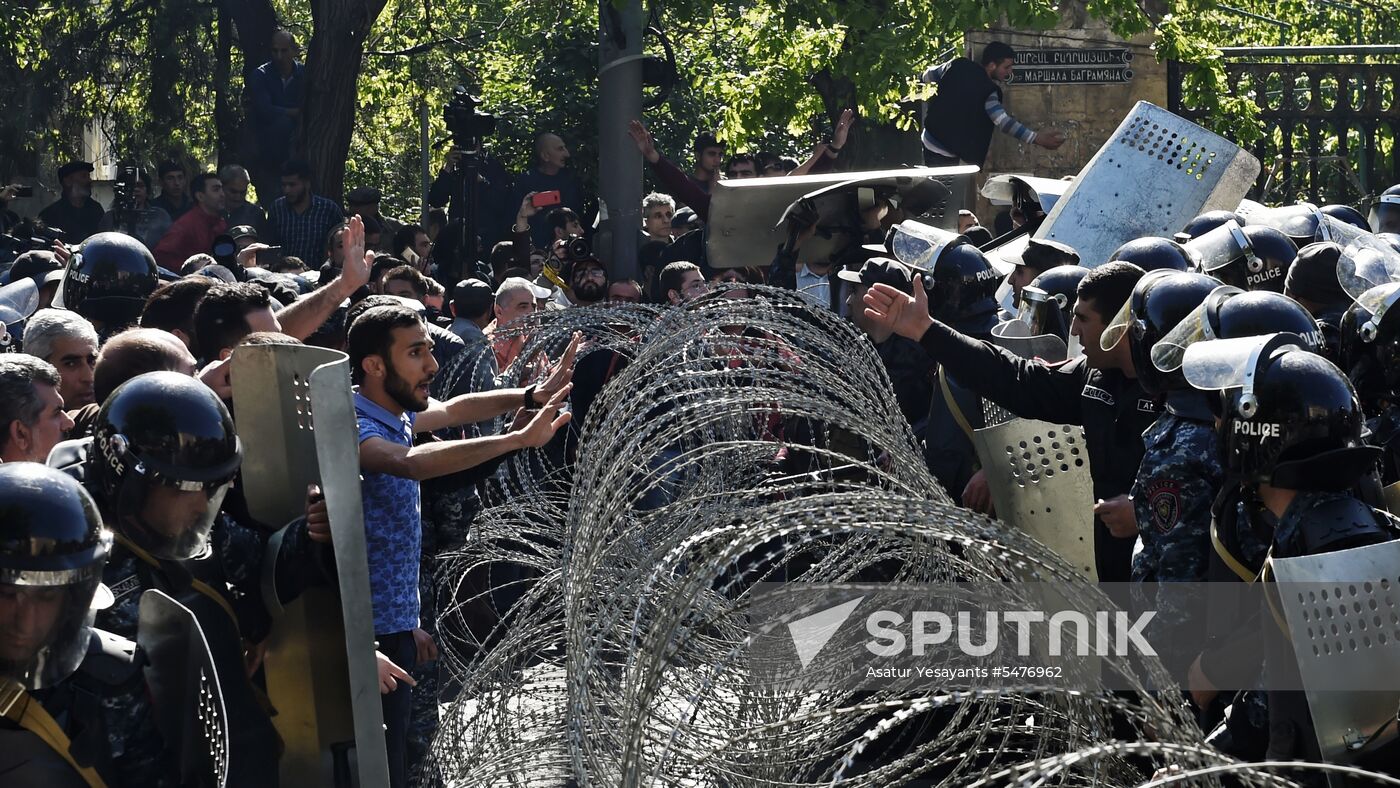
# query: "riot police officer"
{"type": "Point", "coordinates": [1180, 471]}
{"type": "Point", "coordinates": [73, 703]}
{"type": "Point", "coordinates": [1312, 281]}
{"type": "Point", "coordinates": [162, 456]}
{"type": "Point", "coordinates": [1098, 390]}
{"type": "Point", "coordinates": [1370, 353]}
{"type": "Point", "coordinates": [108, 280]}
{"type": "Point", "coordinates": [1291, 427]}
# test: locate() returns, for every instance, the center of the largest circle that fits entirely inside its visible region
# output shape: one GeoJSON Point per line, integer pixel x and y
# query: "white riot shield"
{"type": "Point", "coordinates": [296, 418]}
{"type": "Point", "coordinates": [744, 229]}
{"type": "Point", "coordinates": [1008, 189]}
{"type": "Point", "coordinates": [1156, 173]}
{"type": "Point", "coordinates": [1340, 634]}
{"type": "Point", "coordinates": [1038, 474]}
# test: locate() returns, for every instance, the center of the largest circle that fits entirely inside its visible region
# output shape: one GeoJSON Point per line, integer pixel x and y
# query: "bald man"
{"type": "Point", "coordinates": [551, 172]}
{"type": "Point", "coordinates": [133, 352]}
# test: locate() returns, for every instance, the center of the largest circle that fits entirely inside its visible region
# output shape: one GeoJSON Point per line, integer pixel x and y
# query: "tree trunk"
{"type": "Point", "coordinates": [332, 76]}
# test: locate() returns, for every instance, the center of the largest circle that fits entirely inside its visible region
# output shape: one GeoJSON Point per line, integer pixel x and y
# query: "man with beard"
{"type": "Point", "coordinates": [392, 364]}
{"type": "Point", "coordinates": [588, 282]}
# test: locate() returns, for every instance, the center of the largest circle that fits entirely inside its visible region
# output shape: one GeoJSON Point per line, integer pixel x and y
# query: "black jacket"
{"type": "Point", "coordinates": [957, 115]}
{"type": "Point", "coordinates": [1112, 408]}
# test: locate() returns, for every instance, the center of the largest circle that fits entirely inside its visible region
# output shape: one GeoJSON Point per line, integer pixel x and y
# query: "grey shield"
{"type": "Point", "coordinates": [744, 229]}
{"type": "Point", "coordinates": [1156, 173]}
{"type": "Point", "coordinates": [185, 688]}
{"type": "Point", "coordinates": [1359, 655]}
{"type": "Point", "coordinates": [1038, 474]}
{"type": "Point", "coordinates": [296, 417]}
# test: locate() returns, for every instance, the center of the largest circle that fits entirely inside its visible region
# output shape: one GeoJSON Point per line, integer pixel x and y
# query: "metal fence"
{"type": "Point", "coordinates": [1329, 127]}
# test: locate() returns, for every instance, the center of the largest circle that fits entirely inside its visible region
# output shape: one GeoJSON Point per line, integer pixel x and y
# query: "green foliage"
{"type": "Point", "coordinates": [765, 75]}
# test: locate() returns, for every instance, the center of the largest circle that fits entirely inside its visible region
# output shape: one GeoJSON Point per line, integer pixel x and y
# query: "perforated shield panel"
{"type": "Point", "coordinates": [1156, 173]}
{"type": "Point", "coordinates": [1038, 474]}
{"type": "Point", "coordinates": [1342, 632]}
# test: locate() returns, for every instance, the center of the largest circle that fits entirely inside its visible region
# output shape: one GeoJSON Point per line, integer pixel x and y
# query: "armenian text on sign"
{"type": "Point", "coordinates": [1073, 66]}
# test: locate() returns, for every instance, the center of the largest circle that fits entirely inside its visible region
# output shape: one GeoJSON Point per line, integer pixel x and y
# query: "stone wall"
{"type": "Point", "coordinates": [1086, 113]}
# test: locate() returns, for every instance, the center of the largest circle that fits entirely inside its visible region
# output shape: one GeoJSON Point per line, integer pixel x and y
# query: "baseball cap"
{"type": "Point", "coordinates": [72, 167]}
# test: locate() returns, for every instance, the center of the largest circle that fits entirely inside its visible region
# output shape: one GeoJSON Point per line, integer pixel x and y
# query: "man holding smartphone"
{"type": "Point", "coordinates": [551, 173]}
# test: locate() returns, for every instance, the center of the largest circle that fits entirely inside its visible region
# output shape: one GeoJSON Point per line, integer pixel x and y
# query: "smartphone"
{"type": "Point", "coordinates": [269, 257]}
{"type": "Point", "coordinates": [28, 191]}
{"type": "Point", "coordinates": [545, 199]}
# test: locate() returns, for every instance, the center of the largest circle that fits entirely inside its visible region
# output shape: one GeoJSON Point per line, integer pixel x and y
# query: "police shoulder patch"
{"type": "Point", "coordinates": [1164, 502]}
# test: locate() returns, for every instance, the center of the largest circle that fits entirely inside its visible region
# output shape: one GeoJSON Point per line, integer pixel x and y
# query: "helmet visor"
{"type": "Point", "coordinates": [918, 245]}
{"type": "Point", "coordinates": [1378, 301]}
{"type": "Point", "coordinates": [1385, 214]}
{"type": "Point", "coordinates": [1219, 247]}
{"type": "Point", "coordinates": [1225, 364]}
{"type": "Point", "coordinates": [1195, 327]}
{"type": "Point", "coordinates": [1017, 337]}
{"type": "Point", "coordinates": [1119, 326]}
{"type": "Point", "coordinates": [1295, 221]}
{"type": "Point", "coordinates": [171, 520]}
{"type": "Point", "coordinates": [1366, 262]}
{"type": "Point", "coordinates": [44, 629]}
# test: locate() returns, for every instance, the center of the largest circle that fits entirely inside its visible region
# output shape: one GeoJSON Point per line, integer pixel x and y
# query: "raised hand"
{"type": "Point", "coordinates": [645, 144]}
{"type": "Point", "coordinates": [899, 312]}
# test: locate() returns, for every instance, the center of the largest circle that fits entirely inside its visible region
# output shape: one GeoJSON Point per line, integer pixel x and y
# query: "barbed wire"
{"type": "Point", "coordinates": [739, 442]}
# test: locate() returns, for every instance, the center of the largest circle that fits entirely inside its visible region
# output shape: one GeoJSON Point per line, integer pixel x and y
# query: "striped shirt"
{"type": "Point", "coordinates": [1000, 117]}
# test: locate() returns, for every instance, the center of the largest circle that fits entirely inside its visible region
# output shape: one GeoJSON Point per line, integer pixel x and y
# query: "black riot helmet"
{"type": "Point", "coordinates": [1303, 223]}
{"type": "Point", "coordinates": [1154, 254]}
{"type": "Point", "coordinates": [1313, 276]}
{"type": "Point", "coordinates": [1370, 345]}
{"type": "Point", "coordinates": [1160, 300]}
{"type": "Point", "coordinates": [959, 279]}
{"type": "Point", "coordinates": [1289, 417]}
{"type": "Point", "coordinates": [108, 280]}
{"type": "Point", "coordinates": [1347, 214]}
{"type": "Point", "coordinates": [1047, 303]}
{"type": "Point", "coordinates": [1231, 313]}
{"type": "Point", "coordinates": [164, 453]}
{"type": "Point", "coordinates": [52, 550]}
{"type": "Point", "coordinates": [1208, 221]}
{"type": "Point", "coordinates": [1250, 258]}
{"type": "Point", "coordinates": [1385, 212]}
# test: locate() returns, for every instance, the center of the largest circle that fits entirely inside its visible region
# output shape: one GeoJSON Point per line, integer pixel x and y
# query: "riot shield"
{"type": "Point", "coordinates": [1329, 614]}
{"type": "Point", "coordinates": [296, 418]}
{"type": "Point", "coordinates": [184, 686]}
{"type": "Point", "coordinates": [1038, 474]}
{"type": "Point", "coordinates": [744, 225]}
{"type": "Point", "coordinates": [1155, 174]}
{"type": "Point", "coordinates": [1006, 189]}
{"type": "Point", "coordinates": [1017, 337]}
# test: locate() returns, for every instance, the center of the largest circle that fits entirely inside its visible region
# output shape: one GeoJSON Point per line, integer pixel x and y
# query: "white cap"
{"type": "Point", "coordinates": [521, 283]}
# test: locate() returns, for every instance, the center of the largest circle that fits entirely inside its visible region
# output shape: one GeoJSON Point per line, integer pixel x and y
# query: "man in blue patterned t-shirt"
{"type": "Point", "coordinates": [392, 362]}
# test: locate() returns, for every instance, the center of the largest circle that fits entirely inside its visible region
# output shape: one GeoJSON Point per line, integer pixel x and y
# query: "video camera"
{"type": "Point", "coordinates": [465, 120]}
{"type": "Point", "coordinates": [128, 177]}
